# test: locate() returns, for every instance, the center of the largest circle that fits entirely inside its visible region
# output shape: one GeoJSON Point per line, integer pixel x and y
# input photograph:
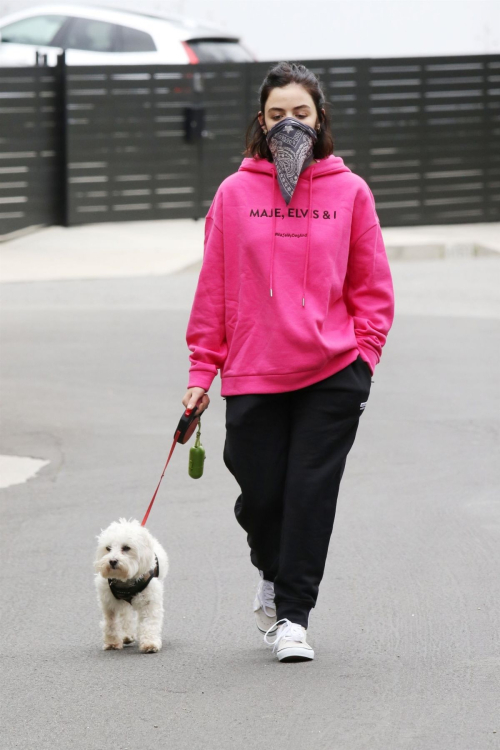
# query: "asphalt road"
{"type": "Point", "coordinates": [406, 629]}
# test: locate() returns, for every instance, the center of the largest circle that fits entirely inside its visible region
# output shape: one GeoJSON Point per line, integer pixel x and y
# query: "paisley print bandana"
{"type": "Point", "coordinates": [291, 143]}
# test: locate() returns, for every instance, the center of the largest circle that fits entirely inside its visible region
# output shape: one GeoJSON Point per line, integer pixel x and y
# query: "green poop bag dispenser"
{"type": "Point", "coordinates": [196, 456]}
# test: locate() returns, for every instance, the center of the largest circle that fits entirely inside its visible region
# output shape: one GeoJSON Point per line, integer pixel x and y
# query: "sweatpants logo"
{"type": "Point", "coordinates": [362, 405]}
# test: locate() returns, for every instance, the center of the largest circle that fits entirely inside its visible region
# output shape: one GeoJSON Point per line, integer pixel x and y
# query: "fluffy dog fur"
{"type": "Point", "coordinates": [123, 623]}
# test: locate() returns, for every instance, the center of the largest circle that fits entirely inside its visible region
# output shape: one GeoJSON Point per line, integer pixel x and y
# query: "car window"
{"type": "Point", "coordinates": [133, 40]}
{"type": "Point", "coordinates": [34, 30]}
{"type": "Point", "coordinates": [207, 50]}
{"type": "Point", "coordinates": [89, 34]}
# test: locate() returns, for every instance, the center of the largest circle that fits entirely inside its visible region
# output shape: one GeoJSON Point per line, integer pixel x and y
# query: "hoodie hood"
{"type": "Point", "coordinates": [330, 165]}
{"type": "Point", "coordinates": [322, 168]}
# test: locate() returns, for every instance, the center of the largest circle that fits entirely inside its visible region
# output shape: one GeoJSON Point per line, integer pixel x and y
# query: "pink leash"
{"type": "Point", "coordinates": [158, 487]}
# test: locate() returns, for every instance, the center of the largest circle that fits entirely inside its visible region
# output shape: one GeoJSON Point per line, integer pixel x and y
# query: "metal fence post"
{"type": "Point", "coordinates": [63, 152]}
{"type": "Point", "coordinates": [198, 90]}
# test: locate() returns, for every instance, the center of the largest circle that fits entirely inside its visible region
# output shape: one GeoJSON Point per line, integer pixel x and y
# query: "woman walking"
{"type": "Point", "coordinates": [293, 306]}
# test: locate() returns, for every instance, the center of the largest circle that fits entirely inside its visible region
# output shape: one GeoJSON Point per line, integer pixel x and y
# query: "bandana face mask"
{"type": "Point", "coordinates": [291, 143]}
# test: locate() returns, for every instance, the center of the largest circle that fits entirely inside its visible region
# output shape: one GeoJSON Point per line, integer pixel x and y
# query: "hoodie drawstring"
{"type": "Point", "coordinates": [308, 245]}
{"type": "Point", "coordinates": [275, 180]}
{"type": "Point", "coordinates": [308, 238]}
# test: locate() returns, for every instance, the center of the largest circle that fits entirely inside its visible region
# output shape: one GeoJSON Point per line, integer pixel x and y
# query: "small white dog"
{"type": "Point", "coordinates": [131, 565]}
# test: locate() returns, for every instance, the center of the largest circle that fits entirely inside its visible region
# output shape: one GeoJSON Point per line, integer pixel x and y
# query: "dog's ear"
{"type": "Point", "coordinates": [145, 550]}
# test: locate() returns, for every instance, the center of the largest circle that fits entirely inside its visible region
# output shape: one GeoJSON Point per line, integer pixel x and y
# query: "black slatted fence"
{"type": "Point", "coordinates": [31, 161]}
{"type": "Point", "coordinates": [154, 142]}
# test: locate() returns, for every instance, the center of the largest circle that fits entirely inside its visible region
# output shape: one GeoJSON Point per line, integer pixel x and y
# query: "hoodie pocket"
{"type": "Point", "coordinates": [363, 364]}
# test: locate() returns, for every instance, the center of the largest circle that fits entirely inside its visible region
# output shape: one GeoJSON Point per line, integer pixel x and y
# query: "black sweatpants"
{"type": "Point", "coordinates": [287, 451]}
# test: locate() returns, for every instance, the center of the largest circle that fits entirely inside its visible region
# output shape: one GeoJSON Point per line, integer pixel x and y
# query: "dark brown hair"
{"type": "Point", "coordinates": [278, 76]}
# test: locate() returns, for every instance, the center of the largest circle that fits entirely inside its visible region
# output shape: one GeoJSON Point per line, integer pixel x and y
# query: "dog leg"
{"type": "Point", "coordinates": [128, 625]}
{"type": "Point", "coordinates": [110, 624]}
{"type": "Point", "coordinates": [111, 629]}
{"type": "Point", "coordinates": [150, 611]}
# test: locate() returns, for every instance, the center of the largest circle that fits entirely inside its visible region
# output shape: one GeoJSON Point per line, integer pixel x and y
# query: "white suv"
{"type": "Point", "coordinates": [101, 36]}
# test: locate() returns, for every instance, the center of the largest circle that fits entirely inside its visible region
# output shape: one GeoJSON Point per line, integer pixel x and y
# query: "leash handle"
{"type": "Point", "coordinates": [187, 424]}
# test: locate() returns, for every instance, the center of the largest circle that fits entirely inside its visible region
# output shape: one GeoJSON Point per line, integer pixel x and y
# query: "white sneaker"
{"type": "Point", "coordinates": [264, 606]}
{"type": "Point", "coordinates": [290, 643]}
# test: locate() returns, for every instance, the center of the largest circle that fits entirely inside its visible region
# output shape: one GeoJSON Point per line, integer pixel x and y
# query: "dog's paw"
{"type": "Point", "coordinates": [112, 646]}
{"type": "Point", "coordinates": [150, 647]}
{"type": "Point", "coordinates": [128, 640]}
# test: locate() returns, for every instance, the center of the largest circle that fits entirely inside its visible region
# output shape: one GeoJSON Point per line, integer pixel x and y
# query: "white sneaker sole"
{"type": "Point", "coordinates": [264, 630]}
{"type": "Point", "coordinates": [269, 621]}
{"type": "Point", "coordinates": [295, 653]}
{"type": "Point", "coordinates": [261, 630]}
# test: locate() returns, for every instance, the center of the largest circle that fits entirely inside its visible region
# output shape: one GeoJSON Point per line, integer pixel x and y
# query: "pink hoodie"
{"type": "Point", "coordinates": [288, 295]}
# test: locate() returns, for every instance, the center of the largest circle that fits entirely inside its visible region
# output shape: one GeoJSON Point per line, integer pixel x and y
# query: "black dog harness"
{"type": "Point", "coordinates": [126, 591]}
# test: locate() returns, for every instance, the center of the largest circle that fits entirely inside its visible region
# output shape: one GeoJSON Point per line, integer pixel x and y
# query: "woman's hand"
{"type": "Point", "coordinates": [192, 396]}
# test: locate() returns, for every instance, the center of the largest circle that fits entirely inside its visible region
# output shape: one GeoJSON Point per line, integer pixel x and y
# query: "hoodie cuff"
{"type": "Point", "coordinates": [201, 379]}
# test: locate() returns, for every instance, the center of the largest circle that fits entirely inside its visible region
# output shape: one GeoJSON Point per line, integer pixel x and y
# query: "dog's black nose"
{"type": "Point", "coordinates": [113, 563]}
